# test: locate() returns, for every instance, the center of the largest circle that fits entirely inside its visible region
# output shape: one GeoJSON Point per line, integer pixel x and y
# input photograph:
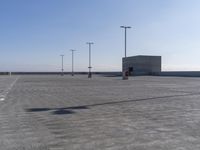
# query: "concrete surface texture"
{"type": "Point", "coordinates": [142, 65]}
{"type": "Point", "coordinates": [102, 113]}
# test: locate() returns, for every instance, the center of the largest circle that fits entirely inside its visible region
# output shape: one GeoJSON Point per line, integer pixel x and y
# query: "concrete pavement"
{"type": "Point", "coordinates": [51, 112]}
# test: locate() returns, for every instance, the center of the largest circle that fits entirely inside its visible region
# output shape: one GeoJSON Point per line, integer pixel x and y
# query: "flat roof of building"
{"type": "Point", "coordinates": [142, 56]}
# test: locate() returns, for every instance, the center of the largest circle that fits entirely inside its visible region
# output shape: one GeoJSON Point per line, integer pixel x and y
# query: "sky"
{"type": "Point", "coordinates": [34, 33]}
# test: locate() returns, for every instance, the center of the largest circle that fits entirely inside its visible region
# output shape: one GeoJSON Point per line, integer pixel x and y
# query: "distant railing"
{"type": "Point", "coordinates": [163, 73]}
{"type": "Point", "coordinates": [58, 73]}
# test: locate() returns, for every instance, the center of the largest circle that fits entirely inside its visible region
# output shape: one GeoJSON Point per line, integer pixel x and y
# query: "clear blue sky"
{"type": "Point", "coordinates": [33, 33]}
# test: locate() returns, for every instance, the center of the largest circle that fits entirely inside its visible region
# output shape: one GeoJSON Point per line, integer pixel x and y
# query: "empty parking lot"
{"type": "Point", "coordinates": [51, 112]}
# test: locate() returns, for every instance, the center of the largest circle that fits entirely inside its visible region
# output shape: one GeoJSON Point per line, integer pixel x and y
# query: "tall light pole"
{"type": "Point", "coordinates": [125, 28]}
{"type": "Point", "coordinates": [90, 67]}
{"type": "Point", "coordinates": [72, 50]}
{"type": "Point", "coordinates": [125, 70]}
{"type": "Point", "coordinates": [62, 70]}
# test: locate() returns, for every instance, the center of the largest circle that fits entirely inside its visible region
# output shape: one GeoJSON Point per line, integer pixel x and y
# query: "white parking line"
{"type": "Point", "coordinates": [5, 93]}
{"type": "Point", "coordinates": [2, 99]}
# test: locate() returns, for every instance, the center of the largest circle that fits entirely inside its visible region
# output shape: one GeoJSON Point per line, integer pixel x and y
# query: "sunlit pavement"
{"type": "Point", "coordinates": [50, 112]}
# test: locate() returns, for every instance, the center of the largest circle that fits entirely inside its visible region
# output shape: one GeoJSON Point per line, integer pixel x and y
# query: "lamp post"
{"type": "Point", "coordinates": [62, 70]}
{"type": "Point", "coordinates": [125, 28]}
{"type": "Point", "coordinates": [90, 67]}
{"type": "Point", "coordinates": [125, 71]}
{"type": "Point", "coordinates": [72, 61]}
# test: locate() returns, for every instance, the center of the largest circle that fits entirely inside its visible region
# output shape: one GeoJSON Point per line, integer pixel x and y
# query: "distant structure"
{"type": "Point", "coordinates": [142, 65]}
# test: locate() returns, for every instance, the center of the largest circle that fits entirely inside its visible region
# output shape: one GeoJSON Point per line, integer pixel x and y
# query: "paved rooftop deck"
{"type": "Point", "coordinates": [51, 112]}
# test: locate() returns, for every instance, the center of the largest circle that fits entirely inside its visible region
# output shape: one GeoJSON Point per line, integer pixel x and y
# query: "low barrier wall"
{"type": "Point", "coordinates": [58, 73]}
{"type": "Point", "coordinates": [111, 74]}
{"type": "Point", "coordinates": [181, 73]}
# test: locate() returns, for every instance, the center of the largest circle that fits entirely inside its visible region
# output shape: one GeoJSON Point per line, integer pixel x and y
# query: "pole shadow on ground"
{"type": "Point", "coordinates": [72, 110]}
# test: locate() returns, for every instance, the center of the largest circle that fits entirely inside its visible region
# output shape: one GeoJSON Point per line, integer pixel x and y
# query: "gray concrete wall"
{"type": "Point", "coordinates": [142, 65]}
{"type": "Point", "coordinates": [113, 73]}
{"type": "Point", "coordinates": [181, 73]}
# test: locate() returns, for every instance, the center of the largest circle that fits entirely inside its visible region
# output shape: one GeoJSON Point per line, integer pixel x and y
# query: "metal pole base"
{"type": "Point", "coordinates": [89, 75]}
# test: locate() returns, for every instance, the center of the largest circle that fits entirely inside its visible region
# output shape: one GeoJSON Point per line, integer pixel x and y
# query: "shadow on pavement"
{"type": "Point", "coordinates": [62, 112]}
{"type": "Point", "coordinates": [70, 110]}
{"type": "Point", "coordinates": [37, 109]}
{"type": "Point", "coordinates": [58, 111]}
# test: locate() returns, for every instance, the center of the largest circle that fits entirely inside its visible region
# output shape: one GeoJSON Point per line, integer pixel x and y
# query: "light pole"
{"type": "Point", "coordinates": [90, 67]}
{"type": "Point", "coordinates": [62, 70]}
{"type": "Point", "coordinates": [125, 71]}
{"type": "Point", "coordinates": [125, 28]}
{"type": "Point", "coordinates": [72, 61]}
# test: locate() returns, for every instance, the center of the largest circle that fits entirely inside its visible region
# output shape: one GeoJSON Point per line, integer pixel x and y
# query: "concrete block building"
{"type": "Point", "coordinates": [142, 65]}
